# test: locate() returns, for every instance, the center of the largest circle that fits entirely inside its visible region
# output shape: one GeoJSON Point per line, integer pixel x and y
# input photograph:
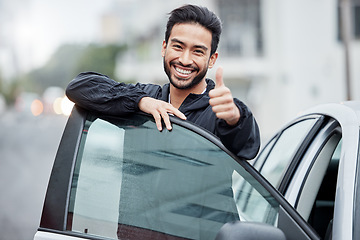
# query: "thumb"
{"type": "Point", "coordinates": [219, 77]}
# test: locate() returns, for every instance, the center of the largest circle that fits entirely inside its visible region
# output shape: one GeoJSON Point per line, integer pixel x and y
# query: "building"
{"type": "Point", "coordinates": [279, 57]}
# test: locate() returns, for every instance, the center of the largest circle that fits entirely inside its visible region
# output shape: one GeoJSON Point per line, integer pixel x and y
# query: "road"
{"type": "Point", "coordinates": [28, 146]}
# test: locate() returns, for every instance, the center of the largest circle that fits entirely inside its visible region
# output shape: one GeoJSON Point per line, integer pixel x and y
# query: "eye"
{"type": "Point", "coordinates": [199, 51]}
{"type": "Point", "coordinates": [177, 46]}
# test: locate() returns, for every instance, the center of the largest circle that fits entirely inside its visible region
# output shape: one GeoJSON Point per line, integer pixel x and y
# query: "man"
{"type": "Point", "coordinates": [189, 50]}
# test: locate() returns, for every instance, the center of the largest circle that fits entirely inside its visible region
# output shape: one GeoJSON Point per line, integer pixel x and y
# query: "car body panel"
{"type": "Point", "coordinates": [42, 235]}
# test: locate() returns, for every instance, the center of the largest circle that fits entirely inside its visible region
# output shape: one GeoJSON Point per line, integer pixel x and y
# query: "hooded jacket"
{"type": "Point", "coordinates": [97, 92]}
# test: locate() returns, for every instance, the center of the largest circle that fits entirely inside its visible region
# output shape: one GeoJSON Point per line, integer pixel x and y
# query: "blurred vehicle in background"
{"type": "Point", "coordinates": [53, 101]}
{"type": "Point", "coordinates": [56, 102]}
{"type": "Point", "coordinates": [50, 96]}
{"type": "Point", "coordinates": [29, 103]}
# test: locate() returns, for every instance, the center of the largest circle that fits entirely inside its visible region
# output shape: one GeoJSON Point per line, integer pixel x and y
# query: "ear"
{"type": "Point", "coordinates": [212, 59]}
{"type": "Point", "coordinates": [163, 49]}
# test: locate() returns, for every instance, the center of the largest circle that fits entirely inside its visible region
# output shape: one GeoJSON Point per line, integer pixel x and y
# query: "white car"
{"type": "Point", "coordinates": [314, 163]}
{"type": "Point", "coordinates": [120, 178]}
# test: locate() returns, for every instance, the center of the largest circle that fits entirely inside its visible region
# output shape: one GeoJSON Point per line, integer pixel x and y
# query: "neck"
{"type": "Point", "coordinates": [177, 96]}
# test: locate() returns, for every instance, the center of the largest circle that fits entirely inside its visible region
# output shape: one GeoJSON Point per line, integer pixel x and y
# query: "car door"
{"type": "Point", "coordinates": [120, 178]}
{"type": "Point", "coordinates": [302, 161]}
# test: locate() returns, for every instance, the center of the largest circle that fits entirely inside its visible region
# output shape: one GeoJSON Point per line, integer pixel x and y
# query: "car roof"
{"type": "Point", "coordinates": [346, 113]}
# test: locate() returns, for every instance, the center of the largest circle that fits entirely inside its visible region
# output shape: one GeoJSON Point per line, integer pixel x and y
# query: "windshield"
{"type": "Point", "coordinates": [133, 182]}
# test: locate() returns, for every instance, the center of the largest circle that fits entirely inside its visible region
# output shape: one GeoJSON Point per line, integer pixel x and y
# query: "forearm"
{"type": "Point", "coordinates": [97, 92]}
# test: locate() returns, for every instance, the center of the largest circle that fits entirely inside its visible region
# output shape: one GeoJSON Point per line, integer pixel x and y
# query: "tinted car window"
{"type": "Point", "coordinates": [275, 158]}
{"type": "Point", "coordinates": [133, 182]}
{"type": "Point", "coordinates": [316, 197]}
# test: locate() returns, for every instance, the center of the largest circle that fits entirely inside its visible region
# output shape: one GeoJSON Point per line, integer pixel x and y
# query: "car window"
{"type": "Point", "coordinates": [317, 199]}
{"type": "Point", "coordinates": [133, 182]}
{"type": "Point", "coordinates": [274, 159]}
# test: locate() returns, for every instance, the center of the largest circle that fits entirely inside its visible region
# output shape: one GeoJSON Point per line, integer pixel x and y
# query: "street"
{"type": "Point", "coordinates": [28, 147]}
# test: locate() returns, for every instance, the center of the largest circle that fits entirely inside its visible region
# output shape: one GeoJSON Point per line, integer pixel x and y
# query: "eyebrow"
{"type": "Point", "coordinates": [195, 46]}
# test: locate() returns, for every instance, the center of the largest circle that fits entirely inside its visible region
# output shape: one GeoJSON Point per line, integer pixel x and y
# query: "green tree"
{"type": "Point", "coordinates": [68, 61]}
{"type": "Point", "coordinates": [99, 59]}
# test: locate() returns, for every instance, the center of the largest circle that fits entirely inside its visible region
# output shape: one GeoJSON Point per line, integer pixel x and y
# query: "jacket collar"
{"type": "Point", "coordinates": [192, 101]}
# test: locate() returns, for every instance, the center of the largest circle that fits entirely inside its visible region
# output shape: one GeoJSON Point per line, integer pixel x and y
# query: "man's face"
{"type": "Point", "coordinates": [187, 55]}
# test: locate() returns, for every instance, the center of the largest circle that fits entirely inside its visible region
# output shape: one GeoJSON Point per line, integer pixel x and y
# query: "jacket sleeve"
{"type": "Point", "coordinates": [99, 93]}
{"type": "Point", "coordinates": [242, 139]}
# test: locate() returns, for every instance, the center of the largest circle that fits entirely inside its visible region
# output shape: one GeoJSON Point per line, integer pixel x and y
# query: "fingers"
{"type": "Point", "coordinates": [219, 92]}
{"type": "Point", "coordinates": [164, 112]}
{"type": "Point", "coordinates": [224, 111]}
{"type": "Point", "coordinates": [177, 113]}
{"type": "Point", "coordinates": [222, 105]}
{"type": "Point", "coordinates": [220, 88]}
{"type": "Point", "coordinates": [166, 119]}
{"type": "Point", "coordinates": [222, 102]}
{"type": "Point", "coordinates": [219, 77]}
{"type": "Point", "coordinates": [157, 118]}
{"type": "Point", "coordinates": [160, 110]}
{"type": "Point", "coordinates": [225, 108]}
{"type": "Point", "coordinates": [159, 115]}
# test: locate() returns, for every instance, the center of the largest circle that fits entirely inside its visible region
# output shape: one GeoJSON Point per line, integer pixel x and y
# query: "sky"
{"type": "Point", "coordinates": [33, 29]}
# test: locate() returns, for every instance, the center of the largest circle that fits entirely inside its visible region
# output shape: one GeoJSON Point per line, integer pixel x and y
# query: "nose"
{"type": "Point", "coordinates": [185, 58]}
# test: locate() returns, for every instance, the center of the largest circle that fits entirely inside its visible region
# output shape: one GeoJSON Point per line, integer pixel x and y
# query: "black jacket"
{"type": "Point", "coordinates": [97, 92]}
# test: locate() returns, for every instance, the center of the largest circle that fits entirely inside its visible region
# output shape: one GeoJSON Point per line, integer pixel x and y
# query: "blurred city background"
{"type": "Point", "coordinates": [279, 57]}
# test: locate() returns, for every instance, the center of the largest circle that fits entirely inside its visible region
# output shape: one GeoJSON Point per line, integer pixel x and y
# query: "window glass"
{"type": "Point", "coordinates": [97, 180]}
{"type": "Point", "coordinates": [274, 159]}
{"type": "Point", "coordinates": [133, 182]}
{"type": "Point", "coordinates": [259, 161]}
{"type": "Point", "coordinates": [317, 199]}
{"type": "Point", "coordinates": [242, 33]}
{"type": "Point", "coordinates": [354, 20]}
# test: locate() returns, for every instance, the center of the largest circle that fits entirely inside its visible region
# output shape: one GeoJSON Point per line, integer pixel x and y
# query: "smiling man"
{"type": "Point", "coordinates": [189, 50]}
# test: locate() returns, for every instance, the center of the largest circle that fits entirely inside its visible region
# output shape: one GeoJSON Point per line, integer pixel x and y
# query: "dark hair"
{"type": "Point", "coordinates": [196, 14]}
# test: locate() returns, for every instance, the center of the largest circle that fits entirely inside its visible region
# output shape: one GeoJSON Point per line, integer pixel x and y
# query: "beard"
{"type": "Point", "coordinates": [197, 79]}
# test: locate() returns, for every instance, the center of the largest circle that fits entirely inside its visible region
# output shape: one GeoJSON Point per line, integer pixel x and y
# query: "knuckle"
{"type": "Point", "coordinates": [228, 98]}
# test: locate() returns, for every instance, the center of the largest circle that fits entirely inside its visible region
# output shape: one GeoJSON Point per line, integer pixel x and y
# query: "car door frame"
{"type": "Point", "coordinates": [56, 204]}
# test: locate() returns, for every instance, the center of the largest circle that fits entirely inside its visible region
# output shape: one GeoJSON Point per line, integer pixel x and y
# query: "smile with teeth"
{"type": "Point", "coordinates": [183, 71]}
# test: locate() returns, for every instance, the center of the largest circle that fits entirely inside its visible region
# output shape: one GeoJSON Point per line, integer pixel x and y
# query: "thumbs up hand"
{"type": "Point", "coordinates": [222, 101]}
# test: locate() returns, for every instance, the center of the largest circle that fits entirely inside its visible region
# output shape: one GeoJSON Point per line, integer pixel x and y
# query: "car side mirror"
{"type": "Point", "coordinates": [249, 231]}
